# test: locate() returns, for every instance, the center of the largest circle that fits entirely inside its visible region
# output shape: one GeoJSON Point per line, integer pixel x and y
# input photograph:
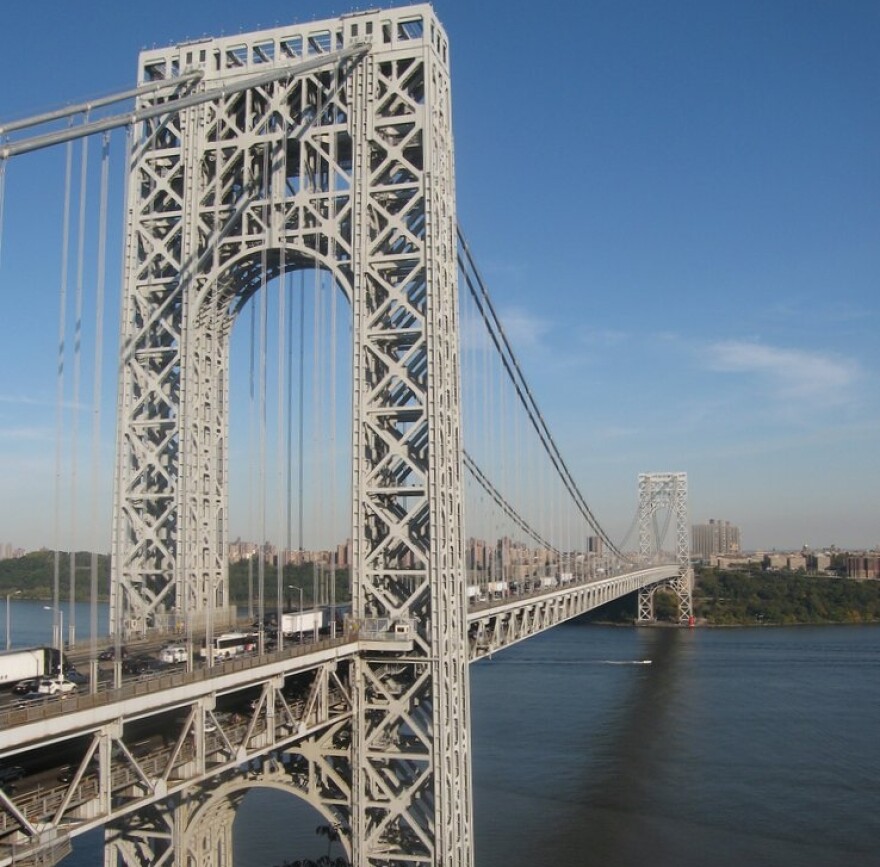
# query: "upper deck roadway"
{"type": "Point", "coordinates": [129, 746]}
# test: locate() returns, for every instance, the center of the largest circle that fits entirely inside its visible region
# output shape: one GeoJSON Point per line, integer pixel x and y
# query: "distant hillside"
{"type": "Point", "coordinates": [751, 596]}
{"type": "Point", "coordinates": [34, 574]}
{"type": "Point", "coordinates": [298, 576]}
{"type": "Point", "coordinates": [728, 597]}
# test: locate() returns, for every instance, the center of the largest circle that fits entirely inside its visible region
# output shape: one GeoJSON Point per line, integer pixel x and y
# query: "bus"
{"type": "Point", "coordinates": [229, 644]}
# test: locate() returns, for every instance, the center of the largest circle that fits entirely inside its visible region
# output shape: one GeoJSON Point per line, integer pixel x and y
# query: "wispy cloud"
{"type": "Point", "coordinates": [790, 374]}
{"type": "Point", "coordinates": [602, 337]}
{"type": "Point", "coordinates": [23, 399]}
{"type": "Point", "coordinates": [26, 434]}
{"type": "Point", "coordinates": [28, 400]}
{"type": "Point", "coordinates": [524, 329]}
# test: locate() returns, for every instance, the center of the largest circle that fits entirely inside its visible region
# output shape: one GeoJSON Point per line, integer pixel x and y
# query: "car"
{"type": "Point", "coordinates": [68, 772]}
{"type": "Point", "coordinates": [76, 677]}
{"type": "Point", "coordinates": [55, 686]}
{"type": "Point", "coordinates": [23, 687]}
{"type": "Point", "coordinates": [173, 653]}
{"type": "Point", "coordinates": [143, 665]}
{"type": "Point", "coordinates": [9, 776]}
{"type": "Point", "coordinates": [32, 698]}
{"type": "Point", "coordinates": [110, 654]}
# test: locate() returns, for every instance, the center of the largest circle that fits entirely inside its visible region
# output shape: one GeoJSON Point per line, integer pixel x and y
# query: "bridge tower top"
{"type": "Point", "coordinates": [244, 54]}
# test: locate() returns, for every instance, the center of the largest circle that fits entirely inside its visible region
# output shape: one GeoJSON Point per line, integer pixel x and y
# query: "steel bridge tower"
{"type": "Point", "coordinates": [665, 492]}
{"type": "Point", "coordinates": [321, 145]}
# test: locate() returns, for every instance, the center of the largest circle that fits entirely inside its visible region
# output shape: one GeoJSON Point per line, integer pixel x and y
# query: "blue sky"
{"type": "Point", "coordinates": [676, 206]}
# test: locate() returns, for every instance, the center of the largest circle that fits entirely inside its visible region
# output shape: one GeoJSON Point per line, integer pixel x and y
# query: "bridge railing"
{"type": "Point", "coordinates": [146, 684]}
{"type": "Point", "coordinates": [383, 628]}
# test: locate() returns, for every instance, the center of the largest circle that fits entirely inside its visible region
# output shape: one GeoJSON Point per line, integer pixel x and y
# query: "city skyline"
{"type": "Point", "coordinates": [675, 208]}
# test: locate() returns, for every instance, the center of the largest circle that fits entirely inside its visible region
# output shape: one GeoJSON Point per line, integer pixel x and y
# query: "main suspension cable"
{"type": "Point", "coordinates": [508, 359]}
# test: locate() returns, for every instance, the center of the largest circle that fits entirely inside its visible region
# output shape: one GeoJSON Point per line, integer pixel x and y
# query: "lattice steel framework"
{"type": "Point", "coordinates": [314, 151]}
{"type": "Point", "coordinates": [657, 492]}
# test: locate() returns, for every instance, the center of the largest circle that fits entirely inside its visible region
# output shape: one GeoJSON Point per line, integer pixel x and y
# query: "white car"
{"type": "Point", "coordinates": [55, 686]}
{"type": "Point", "coordinates": [173, 653]}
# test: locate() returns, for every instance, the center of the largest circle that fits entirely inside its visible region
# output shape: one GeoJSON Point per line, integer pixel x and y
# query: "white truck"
{"type": "Point", "coordinates": [298, 623]}
{"type": "Point", "coordinates": [27, 664]}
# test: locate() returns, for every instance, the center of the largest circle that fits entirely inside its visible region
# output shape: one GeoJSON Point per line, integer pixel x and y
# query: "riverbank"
{"type": "Point", "coordinates": [753, 597]}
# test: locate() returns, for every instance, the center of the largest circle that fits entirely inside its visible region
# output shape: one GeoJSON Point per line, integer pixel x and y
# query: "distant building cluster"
{"type": "Point", "coordinates": [505, 556]}
{"type": "Point", "coordinates": [7, 552]}
{"type": "Point", "coordinates": [863, 566]}
{"type": "Point", "coordinates": [715, 538]}
{"type": "Point", "coordinates": [340, 557]}
{"type": "Point", "coordinates": [807, 561]}
{"type": "Point", "coordinates": [515, 560]}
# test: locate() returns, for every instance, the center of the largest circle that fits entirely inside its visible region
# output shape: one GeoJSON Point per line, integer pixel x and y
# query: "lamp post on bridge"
{"type": "Point", "coordinates": [9, 617]}
{"type": "Point", "coordinates": [293, 587]}
{"type": "Point", "coordinates": [60, 635]}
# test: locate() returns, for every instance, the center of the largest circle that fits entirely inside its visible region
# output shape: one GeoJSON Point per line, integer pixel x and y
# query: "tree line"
{"type": "Point", "coordinates": [33, 577]}
{"type": "Point", "coordinates": [749, 595]}
{"type": "Point", "coordinates": [722, 597]}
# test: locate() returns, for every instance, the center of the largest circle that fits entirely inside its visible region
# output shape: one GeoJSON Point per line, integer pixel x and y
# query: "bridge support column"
{"type": "Point", "coordinates": [175, 833]}
{"type": "Point", "coordinates": [665, 491]}
{"type": "Point", "coordinates": [346, 164]}
{"type": "Point", "coordinates": [152, 837]}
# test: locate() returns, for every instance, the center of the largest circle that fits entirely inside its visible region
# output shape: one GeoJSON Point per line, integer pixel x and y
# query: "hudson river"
{"type": "Point", "coordinates": [733, 747]}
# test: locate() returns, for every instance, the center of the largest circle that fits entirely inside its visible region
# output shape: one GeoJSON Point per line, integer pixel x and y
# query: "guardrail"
{"type": "Point", "coordinates": [156, 682]}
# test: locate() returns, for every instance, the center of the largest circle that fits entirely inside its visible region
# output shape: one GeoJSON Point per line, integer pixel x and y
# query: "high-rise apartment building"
{"type": "Point", "coordinates": [716, 537]}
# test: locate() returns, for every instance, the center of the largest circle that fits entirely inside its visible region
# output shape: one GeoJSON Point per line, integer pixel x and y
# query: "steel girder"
{"type": "Point", "coordinates": [496, 625]}
{"type": "Point", "coordinates": [349, 168]}
{"type": "Point", "coordinates": [142, 776]}
{"type": "Point", "coordinates": [665, 491]}
{"type": "Point", "coordinates": [224, 195]}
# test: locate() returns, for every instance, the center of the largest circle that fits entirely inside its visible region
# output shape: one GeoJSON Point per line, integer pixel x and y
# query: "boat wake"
{"type": "Point", "coordinates": [626, 662]}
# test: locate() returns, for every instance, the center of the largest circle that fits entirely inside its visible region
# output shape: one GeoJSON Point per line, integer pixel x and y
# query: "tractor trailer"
{"type": "Point", "coordinates": [298, 622]}
{"type": "Point", "coordinates": [28, 664]}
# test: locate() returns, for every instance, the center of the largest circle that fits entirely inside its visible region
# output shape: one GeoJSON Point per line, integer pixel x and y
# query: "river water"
{"type": "Point", "coordinates": [754, 746]}
{"type": "Point", "coordinates": [733, 747]}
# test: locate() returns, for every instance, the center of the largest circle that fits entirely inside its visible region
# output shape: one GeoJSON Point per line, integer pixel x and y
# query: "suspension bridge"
{"type": "Point", "coordinates": [262, 177]}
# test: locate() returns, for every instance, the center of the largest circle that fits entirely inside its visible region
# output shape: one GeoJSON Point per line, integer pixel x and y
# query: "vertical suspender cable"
{"type": "Point", "coordinates": [515, 492]}
{"type": "Point", "coordinates": [116, 593]}
{"type": "Point", "coordinates": [2, 202]}
{"type": "Point", "coordinates": [59, 398]}
{"type": "Point", "coordinates": [279, 445]}
{"type": "Point", "coordinates": [334, 296]}
{"type": "Point", "coordinates": [97, 373]}
{"type": "Point", "coordinates": [250, 469]}
{"type": "Point", "coordinates": [288, 523]}
{"type": "Point", "coordinates": [261, 479]}
{"type": "Point", "coordinates": [317, 407]}
{"type": "Point", "coordinates": [281, 389]}
{"type": "Point", "coordinates": [302, 419]}
{"type": "Point", "coordinates": [487, 449]}
{"type": "Point", "coordinates": [502, 441]}
{"type": "Point", "coordinates": [261, 463]}
{"type": "Point", "coordinates": [74, 413]}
